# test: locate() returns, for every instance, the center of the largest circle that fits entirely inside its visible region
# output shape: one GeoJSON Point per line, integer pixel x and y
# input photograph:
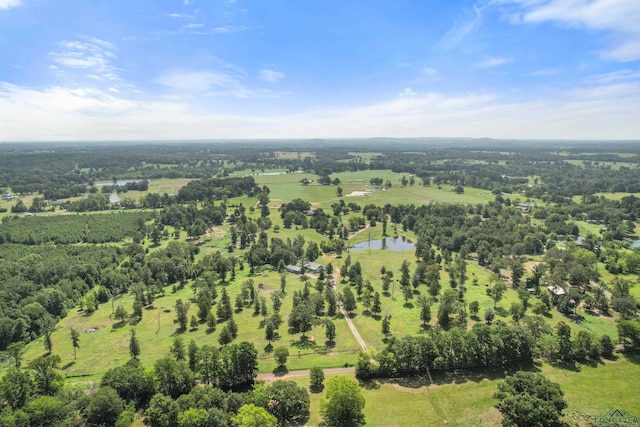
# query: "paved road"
{"type": "Point", "coordinates": [303, 373]}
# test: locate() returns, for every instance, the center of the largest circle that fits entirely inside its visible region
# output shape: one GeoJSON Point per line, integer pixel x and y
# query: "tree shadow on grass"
{"type": "Point", "coordinates": [280, 371]}
{"type": "Point", "coordinates": [370, 384]}
{"type": "Point", "coordinates": [304, 343]}
{"type": "Point", "coordinates": [632, 357]}
{"type": "Point", "coordinates": [316, 390]}
{"type": "Point", "coordinates": [68, 365]}
{"type": "Point", "coordinates": [118, 325]}
{"type": "Point", "coordinates": [268, 348]}
{"type": "Point", "coordinates": [501, 311]}
{"type": "Point", "coordinates": [408, 305]}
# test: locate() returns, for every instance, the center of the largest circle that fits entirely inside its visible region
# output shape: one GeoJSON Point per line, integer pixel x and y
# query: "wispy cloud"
{"type": "Point", "coordinates": [7, 4]}
{"type": "Point", "coordinates": [462, 27]}
{"type": "Point", "coordinates": [93, 55]}
{"type": "Point", "coordinates": [270, 76]}
{"type": "Point", "coordinates": [226, 83]}
{"type": "Point", "coordinates": [187, 2]}
{"type": "Point", "coordinates": [545, 72]}
{"type": "Point", "coordinates": [225, 29]}
{"type": "Point", "coordinates": [176, 15]}
{"type": "Point", "coordinates": [617, 18]}
{"type": "Point", "coordinates": [429, 71]}
{"type": "Point", "coordinates": [492, 62]}
{"type": "Point", "coordinates": [590, 111]}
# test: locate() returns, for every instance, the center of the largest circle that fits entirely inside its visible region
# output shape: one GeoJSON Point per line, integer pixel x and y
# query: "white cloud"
{"type": "Point", "coordinates": [429, 71]}
{"type": "Point", "coordinates": [461, 28]}
{"type": "Point", "coordinates": [618, 18]}
{"type": "Point", "coordinates": [7, 4]}
{"type": "Point", "coordinates": [190, 26]}
{"type": "Point", "coordinates": [93, 55]}
{"type": "Point", "coordinates": [227, 83]}
{"type": "Point", "coordinates": [492, 62]}
{"type": "Point", "coordinates": [187, 2]}
{"type": "Point", "coordinates": [589, 111]}
{"type": "Point", "coordinates": [270, 76]}
{"type": "Point", "coordinates": [545, 72]}
{"type": "Point", "coordinates": [226, 29]}
{"type": "Point", "coordinates": [197, 81]}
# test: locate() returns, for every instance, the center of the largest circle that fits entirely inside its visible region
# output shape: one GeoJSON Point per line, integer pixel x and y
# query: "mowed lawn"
{"type": "Point", "coordinates": [466, 399]}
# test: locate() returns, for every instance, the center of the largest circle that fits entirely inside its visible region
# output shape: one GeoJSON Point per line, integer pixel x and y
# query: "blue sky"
{"type": "Point", "coordinates": [201, 69]}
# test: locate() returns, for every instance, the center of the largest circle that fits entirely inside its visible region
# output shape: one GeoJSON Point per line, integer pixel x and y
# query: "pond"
{"type": "Point", "coordinates": [390, 243]}
{"type": "Point", "coordinates": [634, 244]}
{"type": "Point", "coordinates": [114, 198]}
{"type": "Point", "coordinates": [120, 183]}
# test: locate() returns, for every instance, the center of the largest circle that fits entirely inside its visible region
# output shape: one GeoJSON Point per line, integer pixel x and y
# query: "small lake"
{"type": "Point", "coordinates": [634, 244]}
{"type": "Point", "coordinates": [390, 243]}
{"type": "Point", "coordinates": [120, 183]}
{"type": "Point", "coordinates": [114, 198]}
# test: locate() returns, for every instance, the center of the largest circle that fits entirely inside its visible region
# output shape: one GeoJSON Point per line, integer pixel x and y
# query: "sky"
{"type": "Point", "coordinates": [82, 70]}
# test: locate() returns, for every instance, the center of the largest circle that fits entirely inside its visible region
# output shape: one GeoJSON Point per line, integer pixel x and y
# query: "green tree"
{"type": "Point", "coordinates": [386, 324]}
{"type": "Point", "coordinates": [288, 402]}
{"type": "Point", "coordinates": [376, 306]}
{"type": "Point", "coordinates": [474, 308]}
{"type": "Point", "coordinates": [177, 349]}
{"type": "Point", "coordinates": [15, 350]}
{"type": "Point", "coordinates": [75, 341]}
{"type": "Point", "coordinates": [162, 412]}
{"type": "Point", "coordinates": [281, 354]}
{"type": "Point", "coordinates": [349, 300]}
{"type": "Point", "coordinates": [563, 337]}
{"type": "Point", "coordinates": [254, 416]}
{"type": "Point", "coordinates": [497, 292]}
{"type": "Point", "coordinates": [489, 315]}
{"type": "Point", "coordinates": [330, 331]}
{"type": "Point", "coordinates": [174, 378]}
{"type": "Point", "coordinates": [132, 383]}
{"type": "Point", "coordinates": [425, 309]}
{"type": "Point", "coordinates": [47, 378]}
{"type": "Point", "coordinates": [182, 310]}
{"type": "Point", "coordinates": [134, 345]}
{"type": "Point", "coordinates": [269, 331]}
{"type": "Point", "coordinates": [316, 378]}
{"type": "Point", "coordinates": [104, 407]}
{"type": "Point", "coordinates": [47, 411]}
{"type": "Point", "coordinates": [193, 417]}
{"type": "Point", "coordinates": [529, 399]}
{"type": "Point", "coordinates": [211, 321]}
{"type": "Point", "coordinates": [16, 388]}
{"type": "Point", "coordinates": [208, 362]}
{"type": "Point", "coordinates": [120, 314]}
{"type": "Point", "coordinates": [344, 403]}
{"type": "Point", "coordinates": [192, 355]}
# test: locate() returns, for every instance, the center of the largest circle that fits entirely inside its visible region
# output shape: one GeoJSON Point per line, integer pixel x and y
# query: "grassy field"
{"type": "Point", "coordinates": [466, 399]}
{"type": "Point", "coordinates": [104, 341]}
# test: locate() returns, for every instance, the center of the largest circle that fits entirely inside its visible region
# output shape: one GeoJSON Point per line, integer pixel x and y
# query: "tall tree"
{"type": "Point", "coordinates": [288, 402]}
{"type": "Point", "coordinates": [344, 403]}
{"type": "Point", "coordinates": [75, 341]}
{"type": "Point", "coordinates": [529, 399]}
{"type": "Point", "coordinates": [134, 345]}
{"type": "Point", "coordinates": [254, 416]}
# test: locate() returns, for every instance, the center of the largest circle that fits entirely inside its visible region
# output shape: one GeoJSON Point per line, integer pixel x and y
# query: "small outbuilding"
{"type": "Point", "coordinates": [293, 269]}
{"type": "Point", "coordinates": [313, 267]}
